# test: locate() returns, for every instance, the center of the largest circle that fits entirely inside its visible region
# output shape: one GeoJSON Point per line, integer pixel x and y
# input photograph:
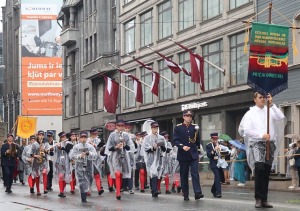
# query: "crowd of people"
{"type": "Point", "coordinates": [132, 161]}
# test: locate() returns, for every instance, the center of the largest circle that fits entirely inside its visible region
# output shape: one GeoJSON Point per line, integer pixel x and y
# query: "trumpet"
{"type": "Point", "coordinates": [42, 154]}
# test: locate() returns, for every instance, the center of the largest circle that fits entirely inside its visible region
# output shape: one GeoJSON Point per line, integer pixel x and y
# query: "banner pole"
{"type": "Point", "coordinates": [268, 103]}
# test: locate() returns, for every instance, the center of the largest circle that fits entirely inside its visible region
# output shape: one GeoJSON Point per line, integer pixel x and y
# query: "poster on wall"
{"type": "Point", "coordinates": [41, 58]}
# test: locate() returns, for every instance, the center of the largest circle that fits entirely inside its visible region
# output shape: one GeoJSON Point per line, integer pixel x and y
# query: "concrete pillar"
{"type": "Point", "coordinates": [72, 17]}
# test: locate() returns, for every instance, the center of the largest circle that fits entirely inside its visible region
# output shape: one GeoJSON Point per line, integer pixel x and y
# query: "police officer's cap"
{"type": "Point", "coordinates": [40, 132]}
{"type": "Point", "coordinates": [154, 124]}
{"type": "Point", "coordinates": [61, 134]}
{"type": "Point", "coordinates": [188, 112]}
{"type": "Point", "coordinates": [144, 133]}
{"type": "Point", "coordinates": [214, 135]}
{"type": "Point", "coordinates": [137, 134]}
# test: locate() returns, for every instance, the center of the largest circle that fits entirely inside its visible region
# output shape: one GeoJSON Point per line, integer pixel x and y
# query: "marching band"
{"type": "Point", "coordinates": [77, 159]}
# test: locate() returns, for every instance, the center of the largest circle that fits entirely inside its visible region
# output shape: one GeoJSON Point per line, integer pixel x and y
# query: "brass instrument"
{"type": "Point", "coordinates": [85, 157]}
{"type": "Point", "coordinates": [270, 60]}
{"type": "Point", "coordinates": [42, 154]}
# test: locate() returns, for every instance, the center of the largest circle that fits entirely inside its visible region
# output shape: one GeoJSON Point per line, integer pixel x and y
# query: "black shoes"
{"type": "Point", "coordinates": [111, 189]}
{"type": "Point", "coordinates": [72, 192]}
{"type": "Point", "coordinates": [155, 194]}
{"type": "Point", "coordinates": [173, 190]}
{"type": "Point", "coordinates": [49, 189]}
{"type": "Point", "coordinates": [217, 195]}
{"type": "Point", "coordinates": [83, 200]}
{"type": "Point", "coordinates": [266, 204]}
{"type": "Point", "coordinates": [31, 190]}
{"type": "Point", "coordinates": [137, 188]}
{"type": "Point", "coordinates": [38, 194]}
{"type": "Point", "coordinates": [168, 192]}
{"type": "Point", "coordinates": [186, 198]}
{"type": "Point", "coordinates": [100, 192]}
{"type": "Point", "coordinates": [45, 192]}
{"type": "Point", "coordinates": [178, 189]}
{"type": "Point", "coordinates": [118, 197]}
{"type": "Point", "coordinates": [61, 195]}
{"type": "Point", "coordinates": [146, 187]}
{"type": "Point", "coordinates": [142, 191]}
{"type": "Point", "coordinates": [8, 190]}
{"type": "Point", "coordinates": [198, 196]}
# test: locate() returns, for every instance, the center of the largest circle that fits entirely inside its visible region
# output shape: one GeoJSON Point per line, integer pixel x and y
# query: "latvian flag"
{"type": "Point", "coordinates": [111, 95]}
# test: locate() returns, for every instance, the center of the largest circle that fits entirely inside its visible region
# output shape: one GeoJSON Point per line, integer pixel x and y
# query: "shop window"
{"type": "Point", "coordinates": [129, 96]}
{"type": "Point", "coordinates": [67, 106]}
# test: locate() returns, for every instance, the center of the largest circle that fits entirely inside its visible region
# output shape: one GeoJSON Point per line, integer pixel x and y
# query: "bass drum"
{"type": "Point", "coordinates": [147, 126]}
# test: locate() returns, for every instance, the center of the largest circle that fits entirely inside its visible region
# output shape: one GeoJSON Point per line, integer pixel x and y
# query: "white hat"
{"type": "Point", "coordinates": [292, 144]}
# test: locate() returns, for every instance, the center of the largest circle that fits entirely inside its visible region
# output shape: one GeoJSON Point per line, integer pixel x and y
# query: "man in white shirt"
{"type": "Point", "coordinates": [253, 128]}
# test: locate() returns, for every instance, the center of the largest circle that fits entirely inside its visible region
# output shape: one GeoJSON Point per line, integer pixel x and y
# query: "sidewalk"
{"type": "Point", "coordinates": [206, 180]}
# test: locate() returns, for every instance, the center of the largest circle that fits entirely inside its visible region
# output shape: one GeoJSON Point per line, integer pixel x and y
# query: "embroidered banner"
{"type": "Point", "coordinates": [268, 60]}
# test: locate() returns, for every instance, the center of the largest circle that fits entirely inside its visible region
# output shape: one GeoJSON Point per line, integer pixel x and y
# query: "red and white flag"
{"type": "Point", "coordinates": [176, 68]}
{"type": "Point", "coordinates": [155, 83]}
{"type": "Point", "coordinates": [137, 85]}
{"type": "Point", "coordinates": [155, 77]}
{"type": "Point", "coordinates": [197, 67]}
{"type": "Point", "coordinates": [111, 95]}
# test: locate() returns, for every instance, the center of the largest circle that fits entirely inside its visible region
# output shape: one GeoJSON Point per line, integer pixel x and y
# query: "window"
{"type": "Point", "coordinates": [211, 8]}
{"type": "Point", "coordinates": [237, 3]}
{"type": "Point", "coordinates": [146, 29]}
{"type": "Point", "coordinates": [86, 101]}
{"type": "Point", "coordinates": [166, 89]}
{"type": "Point", "coordinates": [129, 36]}
{"type": "Point", "coordinates": [186, 14]}
{"type": "Point", "coordinates": [95, 47]}
{"type": "Point", "coordinates": [165, 19]}
{"type": "Point", "coordinates": [86, 50]}
{"type": "Point", "coordinates": [212, 76]}
{"type": "Point", "coordinates": [67, 106]}
{"type": "Point", "coordinates": [127, 1]}
{"type": "Point", "coordinates": [114, 24]}
{"type": "Point", "coordinates": [98, 93]}
{"type": "Point", "coordinates": [186, 87]}
{"type": "Point", "coordinates": [73, 113]}
{"type": "Point", "coordinates": [129, 96]}
{"type": "Point", "coordinates": [146, 76]}
{"type": "Point", "coordinates": [288, 127]}
{"type": "Point", "coordinates": [238, 60]}
{"type": "Point", "coordinates": [91, 49]}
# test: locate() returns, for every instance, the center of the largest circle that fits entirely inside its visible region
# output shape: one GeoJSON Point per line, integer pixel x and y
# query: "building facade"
{"type": "Point", "coordinates": [90, 40]}
{"type": "Point", "coordinates": [211, 28]}
{"type": "Point", "coordinates": [1, 75]}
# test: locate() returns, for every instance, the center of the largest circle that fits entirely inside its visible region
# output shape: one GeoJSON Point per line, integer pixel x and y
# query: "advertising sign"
{"type": "Point", "coordinates": [41, 51]}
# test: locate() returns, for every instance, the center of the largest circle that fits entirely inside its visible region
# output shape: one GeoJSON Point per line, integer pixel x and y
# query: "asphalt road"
{"type": "Point", "coordinates": [233, 199]}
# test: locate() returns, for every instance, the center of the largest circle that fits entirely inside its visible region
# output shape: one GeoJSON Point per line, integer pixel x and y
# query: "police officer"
{"type": "Point", "coordinates": [187, 140]}
{"type": "Point", "coordinates": [212, 150]}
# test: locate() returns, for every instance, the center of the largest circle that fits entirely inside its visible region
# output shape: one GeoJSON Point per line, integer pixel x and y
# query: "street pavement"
{"type": "Point", "coordinates": [234, 198]}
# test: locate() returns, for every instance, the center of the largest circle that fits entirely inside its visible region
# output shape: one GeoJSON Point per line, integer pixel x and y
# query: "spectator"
{"type": "Point", "coordinates": [232, 159]}
{"type": "Point", "coordinates": [239, 169]}
{"type": "Point", "coordinates": [293, 170]}
{"type": "Point", "coordinates": [297, 161]}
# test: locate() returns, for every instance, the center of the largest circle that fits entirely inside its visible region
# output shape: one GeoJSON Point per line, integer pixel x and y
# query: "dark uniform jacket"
{"type": "Point", "coordinates": [185, 136]}
{"type": "Point", "coordinates": [212, 161]}
{"type": "Point", "coordinates": [6, 159]}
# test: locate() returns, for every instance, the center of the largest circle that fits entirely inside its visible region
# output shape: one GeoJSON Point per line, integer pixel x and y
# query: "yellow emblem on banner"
{"type": "Point", "coordinates": [26, 126]}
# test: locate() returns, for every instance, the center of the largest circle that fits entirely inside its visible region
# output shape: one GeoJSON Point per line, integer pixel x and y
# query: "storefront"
{"type": "Point", "coordinates": [220, 114]}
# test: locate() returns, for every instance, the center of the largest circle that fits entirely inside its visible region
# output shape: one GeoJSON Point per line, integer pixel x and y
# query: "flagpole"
{"type": "Point", "coordinates": [120, 84]}
{"type": "Point", "coordinates": [139, 80]}
{"type": "Point", "coordinates": [268, 103]}
{"type": "Point", "coordinates": [212, 64]}
{"type": "Point", "coordinates": [158, 73]}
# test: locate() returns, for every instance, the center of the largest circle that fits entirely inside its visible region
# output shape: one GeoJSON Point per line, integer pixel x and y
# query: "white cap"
{"type": "Point", "coordinates": [291, 144]}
